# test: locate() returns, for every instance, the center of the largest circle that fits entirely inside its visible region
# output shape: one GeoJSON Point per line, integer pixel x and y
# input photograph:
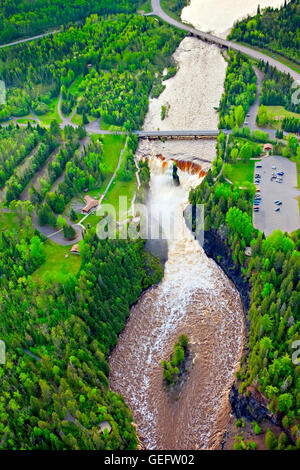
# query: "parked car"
{"type": "Point", "coordinates": [280, 173]}
{"type": "Point", "coordinates": [277, 209]}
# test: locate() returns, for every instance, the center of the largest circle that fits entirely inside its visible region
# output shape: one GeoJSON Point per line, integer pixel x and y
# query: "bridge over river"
{"type": "Point", "coordinates": [159, 12]}
{"type": "Point", "coordinates": [179, 134]}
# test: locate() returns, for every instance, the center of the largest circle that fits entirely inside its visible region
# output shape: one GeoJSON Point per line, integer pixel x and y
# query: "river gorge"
{"type": "Point", "coordinates": [195, 297]}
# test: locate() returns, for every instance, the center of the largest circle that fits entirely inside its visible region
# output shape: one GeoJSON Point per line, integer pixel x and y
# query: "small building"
{"type": "Point", "coordinates": [75, 249]}
{"type": "Point", "coordinates": [105, 425]}
{"type": "Point", "coordinates": [268, 148]}
{"type": "Point", "coordinates": [90, 204]}
{"type": "Point", "coordinates": [248, 251]}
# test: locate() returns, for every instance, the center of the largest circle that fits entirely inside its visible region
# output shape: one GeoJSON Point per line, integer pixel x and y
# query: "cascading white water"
{"type": "Point", "coordinates": [195, 298]}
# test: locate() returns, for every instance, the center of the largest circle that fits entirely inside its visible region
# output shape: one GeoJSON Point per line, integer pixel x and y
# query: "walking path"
{"type": "Point", "coordinates": [109, 184]}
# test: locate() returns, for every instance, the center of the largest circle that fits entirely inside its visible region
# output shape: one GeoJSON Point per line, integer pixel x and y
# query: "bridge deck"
{"type": "Point", "coordinates": [178, 133]}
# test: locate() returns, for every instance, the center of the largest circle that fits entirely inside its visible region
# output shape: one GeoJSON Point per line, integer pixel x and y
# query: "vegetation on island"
{"type": "Point", "coordinates": [175, 366]}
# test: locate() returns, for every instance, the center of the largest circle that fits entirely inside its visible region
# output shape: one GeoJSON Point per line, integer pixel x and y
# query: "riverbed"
{"type": "Point", "coordinates": [195, 297]}
{"type": "Point", "coordinates": [218, 16]}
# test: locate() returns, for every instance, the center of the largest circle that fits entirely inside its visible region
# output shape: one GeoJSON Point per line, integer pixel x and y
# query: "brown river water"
{"type": "Point", "coordinates": [195, 297]}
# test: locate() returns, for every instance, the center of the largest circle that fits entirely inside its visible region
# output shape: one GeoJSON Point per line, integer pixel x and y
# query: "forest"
{"type": "Point", "coordinates": [277, 88]}
{"type": "Point", "coordinates": [277, 30]}
{"type": "Point", "coordinates": [118, 59]}
{"type": "Point", "coordinates": [56, 395]}
{"type": "Point", "coordinates": [272, 272]}
{"type": "Point", "coordinates": [240, 91]}
{"type": "Point", "coordinates": [58, 335]}
{"type": "Point", "coordinates": [28, 18]}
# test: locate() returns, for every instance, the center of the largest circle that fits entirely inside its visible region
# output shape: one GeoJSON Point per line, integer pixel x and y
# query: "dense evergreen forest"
{"type": "Point", "coordinates": [277, 88]}
{"type": "Point", "coordinates": [56, 396]}
{"type": "Point", "coordinates": [275, 29]}
{"type": "Point", "coordinates": [272, 269]}
{"type": "Point", "coordinates": [31, 17]}
{"type": "Point", "coordinates": [239, 93]}
{"type": "Point", "coordinates": [54, 385]}
{"type": "Point", "coordinates": [273, 273]}
{"type": "Point", "coordinates": [120, 59]}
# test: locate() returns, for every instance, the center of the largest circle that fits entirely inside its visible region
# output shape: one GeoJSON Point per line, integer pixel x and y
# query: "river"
{"type": "Point", "coordinates": [194, 297]}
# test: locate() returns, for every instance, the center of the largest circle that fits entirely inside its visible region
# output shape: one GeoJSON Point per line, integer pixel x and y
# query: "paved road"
{"type": "Point", "coordinates": [251, 120]}
{"type": "Point", "coordinates": [33, 38]}
{"type": "Point", "coordinates": [158, 11]}
{"type": "Point", "coordinates": [65, 121]}
{"type": "Point", "coordinates": [287, 219]}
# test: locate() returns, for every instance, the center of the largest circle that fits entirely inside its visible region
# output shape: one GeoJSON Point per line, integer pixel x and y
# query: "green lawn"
{"type": "Point", "coordinates": [77, 119]}
{"type": "Point", "coordinates": [240, 172]}
{"type": "Point", "coordinates": [112, 146]}
{"type": "Point", "coordinates": [120, 188]}
{"type": "Point", "coordinates": [145, 6]}
{"type": "Point", "coordinates": [279, 111]}
{"type": "Point", "coordinates": [57, 266]}
{"type": "Point", "coordinates": [110, 127]}
{"type": "Point", "coordinates": [52, 115]}
{"type": "Point", "coordinates": [74, 87]}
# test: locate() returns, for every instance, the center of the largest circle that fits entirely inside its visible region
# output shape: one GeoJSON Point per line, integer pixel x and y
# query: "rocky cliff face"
{"type": "Point", "coordinates": [252, 407]}
{"type": "Point", "coordinates": [249, 407]}
{"type": "Point", "coordinates": [216, 248]}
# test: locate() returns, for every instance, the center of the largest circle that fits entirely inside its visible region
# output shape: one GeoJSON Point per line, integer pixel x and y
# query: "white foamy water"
{"type": "Point", "coordinates": [218, 16]}
{"type": "Point", "coordinates": [193, 93]}
{"type": "Point", "coordinates": [195, 298]}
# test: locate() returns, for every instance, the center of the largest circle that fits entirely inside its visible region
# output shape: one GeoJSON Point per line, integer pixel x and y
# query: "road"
{"type": "Point", "coordinates": [158, 11]}
{"type": "Point", "coordinates": [33, 38]}
{"type": "Point", "coordinates": [65, 121]}
{"type": "Point", "coordinates": [250, 121]}
{"type": "Point", "coordinates": [287, 219]}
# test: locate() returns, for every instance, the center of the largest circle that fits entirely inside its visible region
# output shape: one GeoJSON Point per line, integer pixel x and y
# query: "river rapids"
{"type": "Point", "coordinates": [195, 297]}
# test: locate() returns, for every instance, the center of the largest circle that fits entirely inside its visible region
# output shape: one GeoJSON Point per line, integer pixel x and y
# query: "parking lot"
{"type": "Point", "coordinates": [287, 218]}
